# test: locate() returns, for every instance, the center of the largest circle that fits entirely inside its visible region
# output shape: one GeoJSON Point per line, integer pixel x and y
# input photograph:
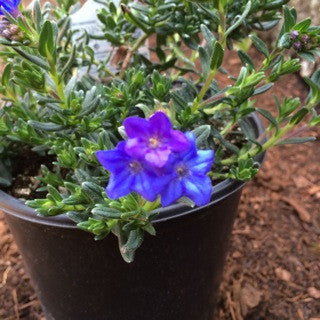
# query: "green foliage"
{"type": "Point", "coordinates": [59, 100]}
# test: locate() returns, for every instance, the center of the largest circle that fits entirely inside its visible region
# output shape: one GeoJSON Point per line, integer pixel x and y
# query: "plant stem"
{"type": "Point", "coordinates": [203, 91]}
{"type": "Point", "coordinates": [253, 152]}
{"type": "Point", "coordinates": [206, 86]}
{"type": "Point", "coordinates": [59, 85]}
{"type": "Point", "coordinates": [217, 175]}
{"type": "Point", "coordinates": [130, 52]}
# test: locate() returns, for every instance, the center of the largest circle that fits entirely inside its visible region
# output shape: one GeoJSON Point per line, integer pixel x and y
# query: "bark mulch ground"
{"type": "Point", "coordinates": [273, 266]}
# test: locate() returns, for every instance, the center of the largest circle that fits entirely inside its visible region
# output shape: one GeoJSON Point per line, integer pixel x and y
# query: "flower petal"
{"type": "Point", "coordinates": [136, 127]}
{"type": "Point", "coordinates": [9, 5]}
{"type": "Point", "coordinates": [202, 163]}
{"type": "Point", "coordinates": [160, 124]}
{"type": "Point", "coordinates": [158, 157]}
{"type": "Point", "coordinates": [172, 192]}
{"type": "Point", "coordinates": [119, 185]}
{"type": "Point", "coordinates": [178, 142]}
{"type": "Point", "coordinates": [198, 189]}
{"type": "Point", "coordinates": [143, 184]}
{"type": "Point", "coordinates": [136, 148]}
{"type": "Point", "coordinates": [113, 160]}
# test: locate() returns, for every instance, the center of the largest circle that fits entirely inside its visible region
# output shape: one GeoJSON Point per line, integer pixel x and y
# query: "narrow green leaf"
{"type": "Point", "coordinates": [295, 140]}
{"type": "Point", "coordinates": [202, 134]}
{"type": "Point", "coordinates": [263, 89]}
{"type": "Point", "coordinates": [241, 19]}
{"type": "Point", "coordinates": [46, 40]}
{"type": "Point", "coordinates": [266, 114]}
{"type": "Point", "coordinates": [106, 212]}
{"type": "Point", "coordinates": [37, 15]}
{"type": "Point", "coordinates": [45, 126]}
{"type": "Point", "coordinates": [205, 61]}
{"type": "Point", "coordinates": [314, 95]}
{"type": "Point", "coordinates": [245, 59]}
{"type": "Point", "coordinates": [303, 25]}
{"type": "Point", "coordinates": [289, 19]}
{"type": "Point", "coordinates": [70, 61]}
{"type": "Point", "coordinates": [34, 59]}
{"type": "Point", "coordinates": [217, 56]}
{"type": "Point", "coordinates": [298, 116]}
{"type": "Point", "coordinates": [307, 56]}
{"type": "Point", "coordinates": [260, 45]}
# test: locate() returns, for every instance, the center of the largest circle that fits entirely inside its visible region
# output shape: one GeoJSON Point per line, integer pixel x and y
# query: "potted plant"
{"type": "Point", "coordinates": [140, 145]}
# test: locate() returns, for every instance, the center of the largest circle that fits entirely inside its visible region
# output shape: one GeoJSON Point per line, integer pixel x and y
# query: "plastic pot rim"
{"type": "Point", "coordinates": [221, 190]}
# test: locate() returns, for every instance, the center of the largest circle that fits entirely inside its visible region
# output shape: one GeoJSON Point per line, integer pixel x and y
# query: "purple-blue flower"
{"type": "Point", "coordinates": [188, 175]}
{"type": "Point", "coordinates": [154, 139]}
{"type": "Point", "coordinates": [11, 6]}
{"type": "Point", "coordinates": [128, 174]}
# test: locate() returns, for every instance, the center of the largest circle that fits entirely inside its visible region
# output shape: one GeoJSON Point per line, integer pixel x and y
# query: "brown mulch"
{"type": "Point", "coordinates": [273, 267]}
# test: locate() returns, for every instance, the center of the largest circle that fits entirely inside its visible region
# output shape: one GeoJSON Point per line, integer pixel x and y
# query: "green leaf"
{"type": "Point", "coordinates": [217, 56]}
{"type": "Point", "coordinates": [246, 129]}
{"type": "Point", "coordinates": [54, 193]}
{"type": "Point", "coordinates": [245, 59]}
{"type": "Point", "coordinates": [6, 75]}
{"type": "Point", "coordinates": [150, 229]}
{"type": "Point", "coordinates": [93, 191]}
{"type": "Point", "coordinates": [298, 116]}
{"type": "Point", "coordinates": [34, 59]}
{"type": "Point", "coordinates": [268, 116]}
{"type": "Point", "coordinates": [303, 25]}
{"type": "Point", "coordinates": [285, 41]}
{"type": "Point", "coordinates": [205, 61]}
{"type": "Point", "coordinates": [47, 41]}
{"type": "Point", "coordinates": [260, 45]}
{"type": "Point", "coordinates": [106, 212]}
{"type": "Point", "coordinates": [202, 134]}
{"type": "Point", "coordinates": [263, 89]}
{"type": "Point", "coordinates": [240, 19]}
{"type": "Point", "coordinates": [276, 4]}
{"type": "Point", "coordinates": [307, 56]}
{"type": "Point", "coordinates": [37, 15]}
{"type": "Point", "coordinates": [45, 126]}
{"type": "Point", "coordinates": [296, 140]}
{"type": "Point", "coordinates": [314, 95]}
{"type": "Point", "coordinates": [224, 142]}
{"type": "Point", "coordinates": [70, 61]}
{"type": "Point", "coordinates": [289, 19]}
{"type": "Point", "coordinates": [133, 243]}
{"type": "Point", "coordinates": [209, 37]}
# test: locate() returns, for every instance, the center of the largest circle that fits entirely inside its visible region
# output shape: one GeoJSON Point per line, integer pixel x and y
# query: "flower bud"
{"type": "Point", "coordinates": [294, 35]}
{"type": "Point", "coordinates": [14, 29]}
{"type": "Point", "coordinates": [305, 38]}
{"type": "Point", "coordinates": [297, 45]}
{"type": "Point", "coordinates": [6, 33]}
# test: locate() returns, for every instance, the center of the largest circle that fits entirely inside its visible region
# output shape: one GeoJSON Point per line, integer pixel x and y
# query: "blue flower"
{"type": "Point", "coordinates": [11, 6]}
{"type": "Point", "coordinates": [153, 140]}
{"type": "Point", "coordinates": [128, 174]}
{"type": "Point", "coordinates": [188, 175]}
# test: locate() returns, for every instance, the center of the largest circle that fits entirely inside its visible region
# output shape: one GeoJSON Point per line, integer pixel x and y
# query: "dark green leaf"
{"type": "Point", "coordinates": [260, 45]}
{"type": "Point", "coordinates": [217, 56]}
{"type": "Point", "coordinates": [245, 59]}
{"type": "Point", "coordinates": [298, 116]}
{"type": "Point", "coordinates": [296, 140]}
{"type": "Point", "coordinates": [202, 134]}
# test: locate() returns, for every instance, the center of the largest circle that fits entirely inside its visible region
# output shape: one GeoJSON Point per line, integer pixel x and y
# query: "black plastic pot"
{"type": "Point", "coordinates": [175, 275]}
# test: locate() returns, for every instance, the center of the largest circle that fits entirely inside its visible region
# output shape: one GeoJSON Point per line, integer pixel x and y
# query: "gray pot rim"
{"type": "Point", "coordinates": [221, 190]}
